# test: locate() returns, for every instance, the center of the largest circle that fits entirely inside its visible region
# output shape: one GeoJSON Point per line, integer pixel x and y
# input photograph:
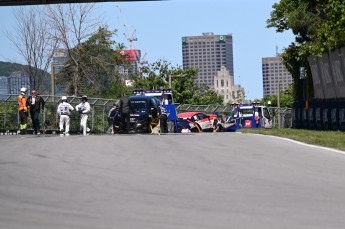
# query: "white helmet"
{"type": "Point", "coordinates": [84, 97]}
{"type": "Point", "coordinates": [64, 98]}
{"type": "Point", "coordinates": [23, 90]}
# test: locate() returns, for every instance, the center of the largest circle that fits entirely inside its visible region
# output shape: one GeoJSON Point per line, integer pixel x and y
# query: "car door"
{"type": "Point", "coordinates": [204, 121]}
{"type": "Point", "coordinates": [154, 106]}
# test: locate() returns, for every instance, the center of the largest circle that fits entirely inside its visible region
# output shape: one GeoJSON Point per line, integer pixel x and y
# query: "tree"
{"type": "Point", "coordinates": [204, 95]}
{"type": "Point", "coordinates": [286, 98]}
{"type": "Point", "coordinates": [73, 23]}
{"type": "Point", "coordinates": [34, 41]}
{"type": "Point", "coordinates": [99, 63]}
{"type": "Point", "coordinates": [318, 26]}
{"type": "Point", "coordinates": [156, 76]}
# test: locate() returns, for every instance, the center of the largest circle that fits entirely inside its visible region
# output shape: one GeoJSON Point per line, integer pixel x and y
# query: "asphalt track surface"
{"type": "Point", "coordinates": [213, 181]}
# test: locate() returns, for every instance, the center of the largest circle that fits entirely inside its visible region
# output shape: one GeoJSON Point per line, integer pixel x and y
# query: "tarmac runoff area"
{"type": "Point", "coordinates": [191, 181]}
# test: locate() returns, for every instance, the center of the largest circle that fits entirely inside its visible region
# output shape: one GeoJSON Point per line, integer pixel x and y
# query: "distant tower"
{"type": "Point", "coordinates": [274, 72]}
{"type": "Point", "coordinates": [208, 53]}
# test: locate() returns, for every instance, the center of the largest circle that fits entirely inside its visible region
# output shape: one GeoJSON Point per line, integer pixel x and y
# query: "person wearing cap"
{"type": "Point", "coordinates": [84, 109]}
{"type": "Point", "coordinates": [64, 110]}
{"type": "Point", "coordinates": [36, 104]}
{"type": "Point", "coordinates": [23, 111]}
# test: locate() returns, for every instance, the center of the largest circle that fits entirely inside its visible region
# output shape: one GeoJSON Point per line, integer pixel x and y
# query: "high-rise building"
{"type": "Point", "coordinates": [60, 58]}
{"type": "Point", "coordinates": [212, 55]}
{"type": "Point", "coordinates": [274, 73]}
{"type": "Point", "coordinates": [4, 85]}
{"type": "Point", "coordinates": [133, 56]}
{"type": "Point", "coordinates": [18, 80]}
{"type": "Point", "coordinates": [208, 53]}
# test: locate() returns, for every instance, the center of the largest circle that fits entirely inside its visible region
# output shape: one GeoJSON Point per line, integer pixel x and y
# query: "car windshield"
{"type": "Point", "coordinates": [247, 111]}
{"type": "Point", "coordinates": [139, 106]}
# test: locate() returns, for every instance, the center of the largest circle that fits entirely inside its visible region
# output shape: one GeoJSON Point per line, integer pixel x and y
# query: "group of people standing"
{"type": "Point", "coordinates": [118, 117]}
{"type": "Point", "coordinates": [64, 111]}
{"type": "Point", "coordinates": [34, 104]}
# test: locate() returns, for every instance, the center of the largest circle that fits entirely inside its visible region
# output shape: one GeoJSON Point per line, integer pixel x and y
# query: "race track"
{"type": "Point", "coordinates": [213, 181]}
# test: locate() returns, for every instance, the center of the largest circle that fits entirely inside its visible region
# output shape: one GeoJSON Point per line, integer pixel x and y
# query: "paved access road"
{"type": "Point", "coordinates": [213, 181]}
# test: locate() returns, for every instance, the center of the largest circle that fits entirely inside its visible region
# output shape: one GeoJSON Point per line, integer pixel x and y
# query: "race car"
{"type": "Point", "coordinates": [197, 121]}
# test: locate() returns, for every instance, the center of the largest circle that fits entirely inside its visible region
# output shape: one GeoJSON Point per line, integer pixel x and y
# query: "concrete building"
{"type": "Point", "coordinates": [60, 58]}
{"type": "Point", "coordinates": [212, 55]}
{"type": "Point", "coordinates": [224, 85]}
{"type": "Point", "coordinates": [273, 73]}
{"type": "Point", "coordinates": [18, 80]}
{"type": "Point", "coordinates": [133, 56]}
{"type": "Point", "coordinates": [208, 53]}
{"type": "Point", "coordinates": [4, 85]}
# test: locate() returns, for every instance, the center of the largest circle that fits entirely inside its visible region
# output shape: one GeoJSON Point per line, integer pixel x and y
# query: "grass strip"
{"type": "Point", "coordinates": [331, 139]}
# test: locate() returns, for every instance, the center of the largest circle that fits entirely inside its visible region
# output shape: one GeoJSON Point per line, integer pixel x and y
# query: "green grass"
{"type": "Point", "coordinates": [331, 139]}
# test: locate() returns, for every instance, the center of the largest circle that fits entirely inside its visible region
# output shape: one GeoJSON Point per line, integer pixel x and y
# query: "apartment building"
{"type": "Point", "coordinates": [273, 74]}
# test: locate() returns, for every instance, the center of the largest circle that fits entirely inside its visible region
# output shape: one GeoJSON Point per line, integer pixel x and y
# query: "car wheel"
{"type": "Point", "coordinates": [196, 128]}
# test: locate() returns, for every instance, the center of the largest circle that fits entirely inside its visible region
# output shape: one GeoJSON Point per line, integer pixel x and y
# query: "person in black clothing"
{"type": "Point", "coordinates": [114, 119]}
{"type": "Point", "coordinates": [125, 108]}
{"type": "Point", "coordinates": [163, 119]}
{"type": "Point", "coordinates": [218, 124]}
{"type": "Point", "coordinates": [36, 105]}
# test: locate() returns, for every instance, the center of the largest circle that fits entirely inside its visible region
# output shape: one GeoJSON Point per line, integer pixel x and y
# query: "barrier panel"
{"type": "Point", "coordinates": [320, 115]}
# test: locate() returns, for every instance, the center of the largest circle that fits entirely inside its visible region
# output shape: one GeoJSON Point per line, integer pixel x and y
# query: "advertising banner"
{"type": "Point", "coordinates": [326, 75]}
{"type": "Point", "coordinates": [338, 72]}
{"type": "Point", "coordinates": [317, 81]}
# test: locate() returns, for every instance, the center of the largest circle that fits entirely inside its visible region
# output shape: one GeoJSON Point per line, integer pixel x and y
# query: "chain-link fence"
{"type": "Point", "coordinates": [49, 119]}
{"type": "Point", "coordinates": [98, 118]}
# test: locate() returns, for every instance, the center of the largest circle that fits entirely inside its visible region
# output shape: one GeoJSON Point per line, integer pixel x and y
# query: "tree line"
{"type": "Point", "coordinates": [95, 61]}
{"type": "Point", "coordinates": [318, 27]}
{"type": "Point", "coordinates": [95, 65]}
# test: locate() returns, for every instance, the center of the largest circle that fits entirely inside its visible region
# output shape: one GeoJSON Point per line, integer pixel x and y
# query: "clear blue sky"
{"type": "Point", "coordinates": [160, 25]}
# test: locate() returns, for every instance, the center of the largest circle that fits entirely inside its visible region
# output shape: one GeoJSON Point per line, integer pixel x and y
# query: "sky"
{"type": "Point", "coordinates": [160, 25]}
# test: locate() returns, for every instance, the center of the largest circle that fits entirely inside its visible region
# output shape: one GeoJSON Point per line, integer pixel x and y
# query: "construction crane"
{"type": "Point", "coordinates": [130, 35]}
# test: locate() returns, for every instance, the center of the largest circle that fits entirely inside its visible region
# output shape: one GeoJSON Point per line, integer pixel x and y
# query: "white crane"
{"type": "Point", "coordinates": [129, 35]}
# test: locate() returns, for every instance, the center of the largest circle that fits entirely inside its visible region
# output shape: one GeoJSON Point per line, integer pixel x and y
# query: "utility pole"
{"type": "Point", "coordinates": [52, 75]}
{"type": "Point", "coordinates": [278, 98]}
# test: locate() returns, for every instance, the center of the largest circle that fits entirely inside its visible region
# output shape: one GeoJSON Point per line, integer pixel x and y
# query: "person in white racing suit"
{"type": "Point", "coordinates": [84, 109]}
{"type": "Point", "coordinates": [64, 110]}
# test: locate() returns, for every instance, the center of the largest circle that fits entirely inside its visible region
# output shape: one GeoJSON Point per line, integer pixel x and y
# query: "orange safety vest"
{"type": "Point", "coordinates": [22, 103]}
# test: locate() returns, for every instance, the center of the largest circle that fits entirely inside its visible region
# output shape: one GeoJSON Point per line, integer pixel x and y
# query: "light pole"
{"type": "Point", "coordinates": [175, 76]}
{"type": "Point", "coordinates": [53, 75]}
{"type": "Point", "coordinates": [53, 80]}
{"type": "Point", "coordinates": [278, 105]}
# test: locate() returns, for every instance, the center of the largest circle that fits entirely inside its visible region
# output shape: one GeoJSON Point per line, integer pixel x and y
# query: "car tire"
{"type": "Point", "coordinates": [196, 129]}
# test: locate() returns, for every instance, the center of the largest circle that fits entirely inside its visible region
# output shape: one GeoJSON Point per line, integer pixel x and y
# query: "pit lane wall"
{"type": "Point", "coordinates": [326, 111]}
